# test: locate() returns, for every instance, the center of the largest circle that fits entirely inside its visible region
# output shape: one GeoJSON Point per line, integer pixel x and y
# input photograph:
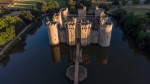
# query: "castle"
{"type": "Point", "coordinates": [82, 28]}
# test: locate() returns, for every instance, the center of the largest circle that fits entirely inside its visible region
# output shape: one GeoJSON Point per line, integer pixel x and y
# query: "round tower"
{"type": "Point", "coordinates": [53, 33]}
{"type": "Point", "coordinates": [105, 34]}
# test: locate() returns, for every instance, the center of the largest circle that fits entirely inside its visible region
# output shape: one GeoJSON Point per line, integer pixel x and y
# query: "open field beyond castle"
{"type": "Point", "coordinates": [138, 10]}
{"type": "Point", "coordinates": [27, 4]}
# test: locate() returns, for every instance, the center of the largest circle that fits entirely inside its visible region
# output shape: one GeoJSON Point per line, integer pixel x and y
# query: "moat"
{"type": "Point", "coordinates": [34, 61]}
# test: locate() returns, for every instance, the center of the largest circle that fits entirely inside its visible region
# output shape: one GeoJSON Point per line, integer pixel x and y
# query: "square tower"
{"type": "Point", "coordinates": [82, 13]}
{"type": "Point", "coordinates": [85, 29]}
{"type": "Point", "coordinates": [71, 36]}
{"type": "Point", "coordinates": [53, 33]}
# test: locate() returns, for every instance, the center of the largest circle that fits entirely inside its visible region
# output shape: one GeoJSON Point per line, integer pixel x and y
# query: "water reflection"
{"type": "Point", "coordinates": [20, 46]}
{"type": "Point", "coordinates": [88, 53]}
{"type": "Point", "coordinates": [71, 56]}
{"type": "Point", "coordinates": [132, 46]}
{"type": "Point", "coordinates": [4, 60]}
{"type": "Point", "coordinates": [103, 59]}
{"type": "Point", "coordinates": [56, 53]}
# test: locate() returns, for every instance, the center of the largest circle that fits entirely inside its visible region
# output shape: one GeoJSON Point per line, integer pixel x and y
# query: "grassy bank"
{"type": "Point", "coordinates": [135, 27]}
{"type": "Point", "coordinates": [28, 4]}
{"type": "Point", "coordinates": [138, 10]}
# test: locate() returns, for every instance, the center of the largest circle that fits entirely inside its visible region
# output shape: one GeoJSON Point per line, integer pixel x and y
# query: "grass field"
{"type": "Point", "coordinates": [27, 4]}
{"type": "Point", "coordinates": [138, 10]}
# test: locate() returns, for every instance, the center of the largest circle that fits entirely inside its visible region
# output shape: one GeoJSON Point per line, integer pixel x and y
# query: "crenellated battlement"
{"type": "Point", "coordinates": [85, 25]}
{"type": "Point", "coordinates": [51, 23]}
{"type": "Point", "coordinates": [107, 27]}
{"type": "Point", "coordinates": [71, 25]}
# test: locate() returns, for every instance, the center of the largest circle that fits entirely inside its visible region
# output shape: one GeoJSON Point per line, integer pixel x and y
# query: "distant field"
{"type": "Point", "coordinates": [26, 4]}
{"type": "Point", "coordinates": [138, 10]}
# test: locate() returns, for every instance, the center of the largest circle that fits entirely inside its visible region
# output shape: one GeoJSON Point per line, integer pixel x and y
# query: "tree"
{"type": "Point", "coordinates": [148, 14]}
{"type": "Point", "coordinates": [71, 2]}
{"type": "Point", "coordinates": [72, 10]}
{"type": "Point", "coordinates": [124, 2]}
{"type": "Point", "coordinates": [50, 6]}
{"type": "Point", "coordinates": [147, 1]}
{"type": "Point", "coordinates": [35, 12]}
{"type": "Point", "coordinates": [53, 5]}
{"type": "Point", "coordinates": [26, 16]}
{"type": "Point", "coordinates": [136, 1]}
{"type": "Point", "coordinates": [115, 2]}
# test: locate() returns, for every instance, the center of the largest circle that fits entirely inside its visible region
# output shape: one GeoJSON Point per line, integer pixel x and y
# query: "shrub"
{"type": "Point", "coordinates": [26, 16]}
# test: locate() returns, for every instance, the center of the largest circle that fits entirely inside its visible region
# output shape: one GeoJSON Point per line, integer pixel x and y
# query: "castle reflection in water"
{"type": "Point", "coordinates": [99, 54]}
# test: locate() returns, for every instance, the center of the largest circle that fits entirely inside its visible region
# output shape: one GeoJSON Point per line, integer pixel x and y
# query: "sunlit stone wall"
{"type": "Point", "coordinates": [105, 34]}
{"type": "Point", "coordinates": [53, 33]}
{"type": "Point", "coordinates": [71, 38]}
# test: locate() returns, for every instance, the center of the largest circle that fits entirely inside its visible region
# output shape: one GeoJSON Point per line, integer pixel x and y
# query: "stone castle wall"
{"type": "Point", "coordinates": [53, 33]}
{"type": "Point", "coordinates": [58, 18]}
{"type": "Point", "coordinates": [62, 36]}
{"type": "Point", "coordinates": [82, 13]}
{"type": "Point", "coordinates": [94, 37]}
{"type": "Point", "coordinates": [105, 34]}
{"type": "Point", "coordinates": [79, 27]}
{"type": "Point", "coordinates": [71, 34]}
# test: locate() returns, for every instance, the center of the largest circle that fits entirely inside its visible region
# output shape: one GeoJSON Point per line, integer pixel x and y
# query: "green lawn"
{"type": "Point", "coordinates": [27, 4]}
{"type": "Point", "coordinates": [137, 11]}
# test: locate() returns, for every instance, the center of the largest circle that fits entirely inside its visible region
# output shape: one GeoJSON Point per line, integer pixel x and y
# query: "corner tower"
{"type": "Point", "coordinates": [105, 34]}
{"type": "Point", "coordinates": [53, 33]}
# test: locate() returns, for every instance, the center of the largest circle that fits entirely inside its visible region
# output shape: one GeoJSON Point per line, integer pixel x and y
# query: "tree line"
{"type": "Point", "coordinates": [10, 26]}
{"type": "Point", "coordinates": [134, 26]}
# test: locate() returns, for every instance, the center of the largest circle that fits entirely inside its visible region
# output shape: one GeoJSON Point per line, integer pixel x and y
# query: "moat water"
{"type": "Point", "coordinates": [34, 61]}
